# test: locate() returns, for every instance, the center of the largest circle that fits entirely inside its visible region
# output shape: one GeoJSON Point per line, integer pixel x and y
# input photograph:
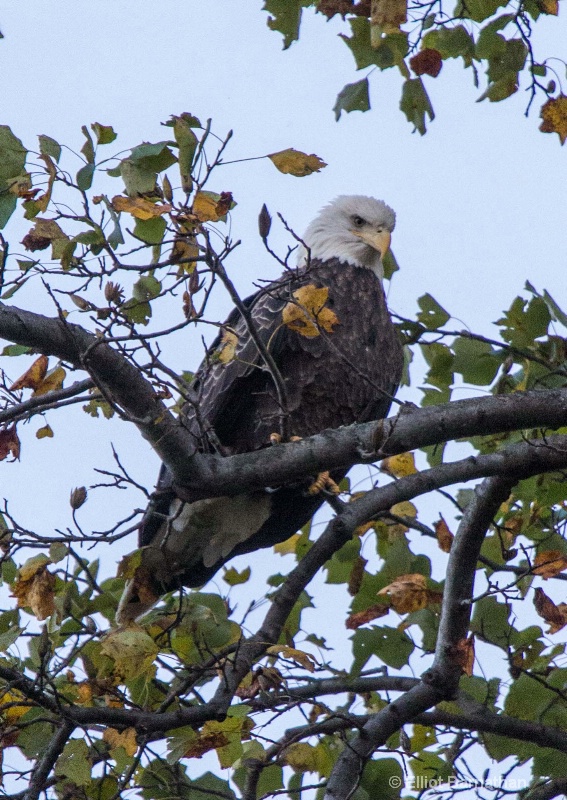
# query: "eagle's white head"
{"type": "Point", "coordinates": [354, 228]}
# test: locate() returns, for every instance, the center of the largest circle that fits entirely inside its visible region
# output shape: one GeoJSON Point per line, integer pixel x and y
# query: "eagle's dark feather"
{"type": "Point", "coordinates": [330, 380]}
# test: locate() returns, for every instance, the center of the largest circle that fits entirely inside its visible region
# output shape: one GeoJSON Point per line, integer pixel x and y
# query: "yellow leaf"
{"type": "Point", "coordinates": [287, 547]}
{"type": "Point", "coordinates": [9, 711]}
{"type": "Point", "coordinates": [307, 315]}
{"type": "Point", "coordinates": [388, 14]}
{"type": "Point", "coordinates": [132, 651]}
{"type": "Point", "coordinates": [549, 6]}
{"type": "Point", "coordinates": [554, 116]}
{"type": "Point", "coordinates": [404, 509]}
{"type": "Point", "coordinates": [32, 378]}
{"type": "Point", "coordinates": [211, 207]}
{"type": "Point", "coordinates": [399, 466]}
{"type": "Point", "coordinates": [549, 563]}
{"type": "Point", "coordinates": [53, 380]}
{"type": "Point", "coordinates": [125, 739]}
{"type": "Point", "coordinates": [186, 251]}
{"type": "Point", "coordinates": [294, 162]}
{"type": "Point", "coordinates": [139, 207]}
{"type": "Point", "coordinates": [228, 346]}
{"type": "Point", "coordinates": [304, 757]}
{"type": "Point", "coordinates": [299, 656]}
{"type": "Point", "coordinates": [45, 432]}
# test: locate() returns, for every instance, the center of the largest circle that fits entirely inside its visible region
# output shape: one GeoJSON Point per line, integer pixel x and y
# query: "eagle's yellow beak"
{"type": "Point", "coordinates": [379, 240]}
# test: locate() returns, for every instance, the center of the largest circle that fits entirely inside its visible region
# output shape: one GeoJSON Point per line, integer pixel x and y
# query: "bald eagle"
{"type": "Point", "coordinates": [331, 374]}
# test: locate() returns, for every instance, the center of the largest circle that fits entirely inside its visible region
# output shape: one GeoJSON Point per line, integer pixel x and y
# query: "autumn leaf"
{"type": "Point", "coordinates": [132, 651]}
{"type": "Point", "coordinates": [356, 576]}
{"type": "Point", "coordinates": [555, 616]}
{"type": "Point", "coordinates": [262, 680]}
{"type": "Point", "coordinates": [33, 377]}
{"type": "Point", "coordinates": [409, 593]}
{"type": "Point", "coordinates": [549, 563]}
{"type": "Point", "coordinates": [462, 654]}
{"type": "Point", "coordinates": [212, 207]}
{"type": "Point", "coordinates": [10, 711]}
{"type": "Point", "coordinates": [399, 466]}
{"type": "Point", "coordinates": [9, 443]}
{"type": "Point", "coordinates": [359, 618]}
{"type": "Point", "coordinates": [139, 207]}
{"type": "Point", "coordinates": [44, 233]}
{"type": "Point", "coordinates": [299, 656]}
{"type": "Point", "coordinates": [228, 346]}
{"type": "Point", "coordinates": [308, 314]}
{"type": "Point", "coordinates": [287, 547]}
{"type": "Point", "coordinates": [125, 739]}
{"type": "Point", "coordinates": [444, 535]}
{"type": "Point", "coordinates": [427, 62]}
{"type": "Point", "coordinates": [294, 162]}
{"type": "Point", "coordinates": [388, 14]}
{"type": "Point", "coordinates": [34, 587]}
{"type": "Point", "coordinates": [52, 381]}
{"type": "Point", "coordinates": [554, 116]}
{"type": "Point", "coordinates": [45, 432]}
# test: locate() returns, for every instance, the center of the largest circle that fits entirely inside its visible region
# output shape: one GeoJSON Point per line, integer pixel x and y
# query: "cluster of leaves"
{"type": "Point", "coordinates": [418, 37]}
{"type": "Point", "coordinates": [190, 673]}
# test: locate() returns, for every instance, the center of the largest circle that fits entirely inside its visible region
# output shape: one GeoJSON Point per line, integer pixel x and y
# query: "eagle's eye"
{"type": "Point", "coordinates": [358, 221]}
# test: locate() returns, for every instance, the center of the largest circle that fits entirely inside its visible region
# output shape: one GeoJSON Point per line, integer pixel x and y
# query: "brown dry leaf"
{"type": "Point", "coordinates": [186, 250]}
{"type": "Point", "coordinates": [554, 116]}
{"type": "Point", "coordinates": [294, 162]}
{"type": "Point", "coordinates": [427, 62]}
{"type": "Point", "coordinates": [84, 694]}
{"type": "Point", "coordinates": [356, 576]}
{"type": "Point", "coordinates": [308, 315]}
{"type": "Point", "coordinates": [33, 377]}
{"type": "Point", "coordinates": [444, 535]}
{"type": "Point", "coordinates": [354, 621]}
{"type": "Point", "coordinates": [399, 466]}
{"type": "Point", "coordinates": [9, 442]}
{"type": "Point", "coordinates": [139, 207]}
{"type": "Point", "coordinates": [34, 586]}
{"type": "Point", "coordinates": [388, 14]}
{"type": "Point", "coordinates": [555, 616]}
{"type": "Point", "coordinates": [52, 381]}
{"type": "Point", "coordinates": [549, 563]}
{"type": "Point", "coordinates": [549, 6]}
{"type": "Point", "coordinates": [44, 233]}
{"type": "Point", "coordinates": [228, 345]}
{"type": "Point", "coordinates": [463, 654]}
{"type": "Point", "coordinates": [44, 433]}
{"type": "Point", "coordinates": [407, 593]}
{"type": "Point", "coordinates": [299, 656]}
{"type": "Point", "coordinates": [125, 739]}
{"type": "Point", "coordinates": [287, 547]}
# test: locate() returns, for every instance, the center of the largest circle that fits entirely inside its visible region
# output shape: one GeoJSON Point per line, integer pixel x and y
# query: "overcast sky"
{"type": "Point", "coordinates": [480, 199]}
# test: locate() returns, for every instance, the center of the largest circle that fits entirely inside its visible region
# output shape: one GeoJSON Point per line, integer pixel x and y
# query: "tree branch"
{"type": "Point", "coordinates": [45, 764]}
{"type": "Point", "coordinates": [20, 410]}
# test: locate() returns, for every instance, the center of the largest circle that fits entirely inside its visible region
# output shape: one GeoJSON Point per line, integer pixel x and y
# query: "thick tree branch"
{"type": "Point", "coordinates": [440, 682]}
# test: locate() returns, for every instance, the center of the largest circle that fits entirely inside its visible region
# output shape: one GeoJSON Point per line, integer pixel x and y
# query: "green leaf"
{"type": "Point", "coordinates": [16, 350]}
{"type": "Point", "coordinates": [490, 622]}
{"type": "Point", "coordinates": [500, 89]}
{"type": "Point", "coordinates": [49, 147]}
{"type": "Point", "coordinates": [440, 361]}
{"type": "Point", "coordinates": [152, 157]}
{"type": "Point", "coordinates": [383, 778]}
{"type": "Point", "coordinates": [393, 47]}
{"type": "Point", "coordinates": [151, 230]}
{"type": "Point", "coordinates": [475, 361]}
{"type": "Point", "coordinates": [74, 763]}
{"type": "Point", "coordinates": [477, 10]}
{"type": "Point", "coordinates": [524, 322]}
{"type": "Point", "coordinates": [105, 134]}
{"type": "Point", "coordinates": [187, 142]}
{"type": "Point", "coordinates": [555, 310]}
{"type": "Point", "coordinates": [12, 162]}
{"type": "Point", "coordinates": [390, 645]}
{"type": "Point", "coordinates": [432, 315]}
{"type": "Point", "coordinates": [136, 312]}
{"type": "Point", "coordinates": [416, 104]}
{"type": "Point", "coordinates": [88, 148]}
{"type": "Point", "coordinates": [353, 97]}
{"type": "Point", "coordinates": [233, 577]}
{"type": "Point", "coordinates": [286, 17]}
{"type": "Point", "coordinates": [85, 177]}
{"type": "Point", "coordinates": [146, 288]}
{"type": "Point", "coordinates": [451, 43]}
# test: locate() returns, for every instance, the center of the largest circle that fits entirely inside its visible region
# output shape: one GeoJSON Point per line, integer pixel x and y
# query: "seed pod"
{"type": "Point", "coordinates": [78, 497]}
{"type": "Point", "coordinates": [264, 222]}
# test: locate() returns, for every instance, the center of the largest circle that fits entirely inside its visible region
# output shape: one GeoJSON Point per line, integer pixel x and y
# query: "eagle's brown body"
{"type": "Point", "coordinates": [335, 378]}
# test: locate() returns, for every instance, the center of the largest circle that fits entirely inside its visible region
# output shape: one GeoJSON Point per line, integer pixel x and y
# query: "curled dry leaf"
{"type": "Point", "coordinates": [52, 381]}
{"type": "Point", "coordinates": [308, 315]}
{"type": "Point", "coordinates": [139, 207]}
{"type": "Point", "coordinates": [463, 654]}
{"type": "Point", "coordinates": [9, 442]}
{"type": "Point", "coordinates": [409, 593]}
{"type": "Point", "coordinates": [32, 378]}
{"type": "Point", "coordinates": [294, 162]}
{"type": "Point", "coordinates": [354, 621]}
{"type": "Point", "coordinates": [427, 62]}
{"type": "Point", "coordinates": [228, 346]}
{"type": "Point", "coordinates": [549, 563]}
{"type": "Point", "coordinates": [34, 587]}
{"type": "Point", "coordinates": [554, 116]}
{"type": "Point", "coordinates": [299, 656]}
{"type": "Point", "coordinates": [555, 616]}
{"type": "Point", "coordinates": [444, 535]}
